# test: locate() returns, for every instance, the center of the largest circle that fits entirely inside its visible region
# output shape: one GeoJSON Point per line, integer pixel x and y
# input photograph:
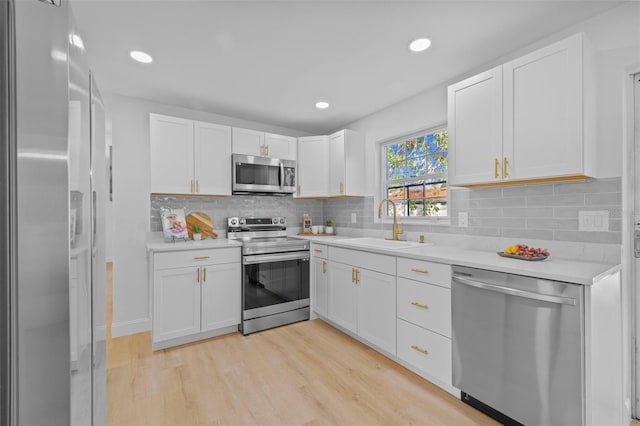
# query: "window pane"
{"type": "Point", "coordinates": [416, 147]}
{"type": "Point", "coordinates": [397, 193]}
{"type": "Point", "coordinates": [416, 166]}
{"type": "Point", "coordinates": [397, 170]}
{"type": "Point", "coordinates": [437, 145]}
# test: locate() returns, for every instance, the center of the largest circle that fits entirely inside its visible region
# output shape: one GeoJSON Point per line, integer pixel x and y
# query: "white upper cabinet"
{"type": "Point", "coordinates": [346, 165]}
{"type": "Point", "coordinates": [279, 146]}
{"type": "Point", "coordinates": [212, 158]}
{"type": "Point", "coordinates": [475, 128]}
{"type": "Point", "coordinates": [189, 157]}
{"type": "Point", "coordinates": [253, 142]}
{"type": "Point", "coordinates": [248, 142]}
{"type": "Point", "coordinates": [313, 166]}
{"type": "Point", "coordinates": [543, 112]}
{"type": "Point", "coordinates": [171, 155]}
{"type": "Point", "coordinates": [527, 120]}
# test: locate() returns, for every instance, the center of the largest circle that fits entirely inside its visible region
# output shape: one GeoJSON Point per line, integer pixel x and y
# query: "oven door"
{"type": "Point", "coordinates": [274, 283]}
{"type": "Point", "coordinates": [253, 174]}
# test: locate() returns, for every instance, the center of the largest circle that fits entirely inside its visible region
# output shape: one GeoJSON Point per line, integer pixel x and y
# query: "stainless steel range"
{"type": "Point", "coordinates": [275, 273]}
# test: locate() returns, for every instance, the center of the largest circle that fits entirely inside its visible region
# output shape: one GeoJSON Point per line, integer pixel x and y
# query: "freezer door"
{"type": "Point", "coordinates": [518, 345]}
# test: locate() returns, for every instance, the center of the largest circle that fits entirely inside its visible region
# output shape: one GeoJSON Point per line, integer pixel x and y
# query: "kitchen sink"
{"type": "Point", "coordinates": [381, 243]}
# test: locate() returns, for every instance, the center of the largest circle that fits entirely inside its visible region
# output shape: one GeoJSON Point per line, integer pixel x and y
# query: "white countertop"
{"type": "Point", "coordinates": [156, 243]}
{"type": "Point", "coordinates": [585, 273]}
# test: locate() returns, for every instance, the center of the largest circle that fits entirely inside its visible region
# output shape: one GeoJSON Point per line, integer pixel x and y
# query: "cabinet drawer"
{"type": "Point", "coordinates": [173, 259]}
{"type": "Point", "coordinates": [426, 305]}
{"type": "Point", "coordinates": [428, 272]}
{"type": "Point", "coordinates": [362, 259]}
{"type": "Point", "coordinates": [319, 250]}
{"type": "Point", "coordinates": [424, 350]}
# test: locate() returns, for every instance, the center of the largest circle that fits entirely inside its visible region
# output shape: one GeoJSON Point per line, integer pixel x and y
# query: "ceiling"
{"type": "Point", "coordinates": [270, 61]}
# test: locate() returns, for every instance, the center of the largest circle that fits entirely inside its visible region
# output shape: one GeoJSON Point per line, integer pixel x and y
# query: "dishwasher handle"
{"type": "Point", "coordinates": [515, 292]}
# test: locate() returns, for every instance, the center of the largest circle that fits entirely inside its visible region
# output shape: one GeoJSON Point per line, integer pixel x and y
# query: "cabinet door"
{"type": "Point", "coordinates": [171, 154]}
{"type": "Point", "coordinates": [247, 142]}
{"type": "Point", "coordinates": [475, 129]}
{"type": "Point", "coordinates": [221, 295]}
{"type": "Point", "coordinates": [176, 303]}
{"type": "Point", "coordinates": [279, 146]}
{"type": "Point", "coordinates": [377, 309]}
{"type": "Point", "coordinates": [342, 296]}
{"type": "Point", "coordinates": [313, 166]}
{"type": "Point", "coordinates": [543, 128]}
{"type": "Point", "coordinates": [212, 158]}
{"type": "Point", "coordinates": [337, 165]}
{"type": "Point", "coordinates": [319, 282]}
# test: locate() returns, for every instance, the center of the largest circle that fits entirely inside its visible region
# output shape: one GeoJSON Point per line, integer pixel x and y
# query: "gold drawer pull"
{"type": "Point", "coordinates": [353, 275]}
{"type": "Point", "coordinates": [198, 272]}
{"type": "Point", "coordinates": [204, 275]}
{"type": "Point", "coordinates": [317, 250]}
{"type": "Point", "coordinates": [324, 267]}
{"type": "Point", "coordinates": [419, 349]}
{"type": "Point", "coordinates": [420, 271]}
{"type": "Point", "coordinates": [496, 165]}
{"type": "Point", "coordinates": [200, 257]}
{"type": "Point", "coordinates": [505, 173]}
{"type": "Point", "coordinates": [191, 185]}
{"type": "Point", "coordinates": [420, 305]}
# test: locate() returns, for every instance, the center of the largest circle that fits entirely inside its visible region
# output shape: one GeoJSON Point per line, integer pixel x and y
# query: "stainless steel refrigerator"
{"type": "Point", "coordinates": [52, 200]}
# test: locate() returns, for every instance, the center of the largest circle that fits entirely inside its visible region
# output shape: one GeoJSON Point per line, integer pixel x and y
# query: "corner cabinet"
{"type": "Point", "coordinates": [253, 142]}
{"type": "Point", "coordinates": [331, 166]}
{"type": "Point", "coordinates": [362, 294]}
{"type": "Point", "coordinates": [346, 165]}
{"type": "Point", "coordinates": [196, 295]}
{"type": "Point", "coordinates": [528, 120]}
{"type": "Point", "coordinates": [313, 166]}
{"type": "Point", "coordinates": [189, 157]}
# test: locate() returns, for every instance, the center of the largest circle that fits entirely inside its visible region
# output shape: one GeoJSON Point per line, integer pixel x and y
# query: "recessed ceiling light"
{"type": "Point", "coordinates": [139, 56]}
{"type": "Point", "coordinates": [322, 105]}
{"type": "Point", "coordinates": [420, 45]}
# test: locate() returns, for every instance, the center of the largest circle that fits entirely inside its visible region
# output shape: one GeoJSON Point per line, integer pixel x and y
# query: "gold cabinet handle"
{"type": "Point", "coordinates": [197, 185]}
{"type": "Point", "coordinates": [198, 272]}
{"type": "Point", "coordinates": [353, 275]}
{"type": "Point", "coordinates": [420, 271]}
{"type": "Point", "coordinates": [204, 275]}
{"type": "Point", "coordinates": [496, 168]}
{"type": "Point", "coordinates": [324, 266]}
{"type": "Point", "coordinates": [357, 276]}
{"type": "Point", "coordinates": [191, 185]}
{"type": "Point", "coordinates": [419, 349]}
{"type": "Point", "coordinates": [317, 250]}
{"type": "Point", "coordinates": [505, 172]}
{"type": "Point", "coordinates": [200, 257]}
{"type": "Point", "coordinates": [420, 305]}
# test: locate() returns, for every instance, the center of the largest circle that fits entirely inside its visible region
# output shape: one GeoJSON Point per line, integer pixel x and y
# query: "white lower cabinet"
{"type": "Point", "coordinates": [425, 350]}
{"type": "Point", "coordinates": [362, 296]}
{"type": "Point", "coordinates": [319, 279]}
{"type": "Point", "coordinates": [196, 293]}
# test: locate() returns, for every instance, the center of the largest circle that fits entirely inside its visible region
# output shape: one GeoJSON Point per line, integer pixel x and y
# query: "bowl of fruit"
{"type": "Point", "coordinates": [524, 252]}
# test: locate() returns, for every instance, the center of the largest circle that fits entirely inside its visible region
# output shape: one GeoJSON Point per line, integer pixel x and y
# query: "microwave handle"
{"type": "Point", "coordinates": [281, 175]}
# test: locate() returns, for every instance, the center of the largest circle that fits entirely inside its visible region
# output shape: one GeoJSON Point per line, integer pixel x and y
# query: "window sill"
{"type": "Point", "coordinates": [442, 221]}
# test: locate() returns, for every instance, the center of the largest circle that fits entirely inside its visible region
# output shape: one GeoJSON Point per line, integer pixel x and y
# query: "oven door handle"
{"type": "Point", "coordinates": [279, 257]}
{"type": "Point", "coordinates": [281, 175]}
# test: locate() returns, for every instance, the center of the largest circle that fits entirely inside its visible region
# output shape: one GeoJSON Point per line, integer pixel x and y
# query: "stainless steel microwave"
{"type": "Point", "coordinates": [262, 175]}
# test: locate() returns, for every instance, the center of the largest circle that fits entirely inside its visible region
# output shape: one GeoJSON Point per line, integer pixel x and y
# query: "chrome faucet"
{"type": "Point", "coordinates": [397, 229]}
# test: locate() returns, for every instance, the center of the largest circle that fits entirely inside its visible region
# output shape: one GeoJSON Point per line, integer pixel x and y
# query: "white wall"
{"type": "Point", "coordinates": [131, 209]}
{"type": "Point", "coordinates": [616, 37]}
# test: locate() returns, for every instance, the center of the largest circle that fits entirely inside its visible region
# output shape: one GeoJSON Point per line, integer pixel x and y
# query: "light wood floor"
{"type": "Point", "coordinates": [303, 374]}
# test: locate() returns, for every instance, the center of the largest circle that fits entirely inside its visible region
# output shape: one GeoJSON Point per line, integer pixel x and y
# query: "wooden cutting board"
{"type": "Point", "coordinates": [202, 220]}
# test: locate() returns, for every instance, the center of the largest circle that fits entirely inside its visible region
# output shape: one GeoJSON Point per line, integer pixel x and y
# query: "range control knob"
{"type": "Point", "coordinates": [233, 221]}
{"type": "Point", "coordinates": [282, 220]}
{"type": "Point", "coordinates": [275, 221]}
{"type": "Point", "coordinates": [242, 221]}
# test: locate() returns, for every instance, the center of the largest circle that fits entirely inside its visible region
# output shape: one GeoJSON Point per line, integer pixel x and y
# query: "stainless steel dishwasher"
{"type": "Point", "coordinates": [518, 347]}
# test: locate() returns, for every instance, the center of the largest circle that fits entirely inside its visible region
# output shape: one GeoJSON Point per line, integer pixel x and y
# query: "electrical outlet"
{"type": "Point", "coordinates": [463, 219]}
{"type": "Point", "coordinates": [593, 221]}
{"type": "Point", "coordinates": [353, 218]}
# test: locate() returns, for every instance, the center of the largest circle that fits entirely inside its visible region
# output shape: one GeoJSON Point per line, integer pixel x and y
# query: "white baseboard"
{"type": "Point", "coordinates": [125, 328]}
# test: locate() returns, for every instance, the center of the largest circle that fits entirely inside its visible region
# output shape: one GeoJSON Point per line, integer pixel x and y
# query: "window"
{"type": "Point", "coordinates": [415, 174]}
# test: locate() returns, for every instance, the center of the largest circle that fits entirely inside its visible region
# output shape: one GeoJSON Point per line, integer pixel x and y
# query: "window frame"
{"type": "Point", "coordinates": [383, 183]}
